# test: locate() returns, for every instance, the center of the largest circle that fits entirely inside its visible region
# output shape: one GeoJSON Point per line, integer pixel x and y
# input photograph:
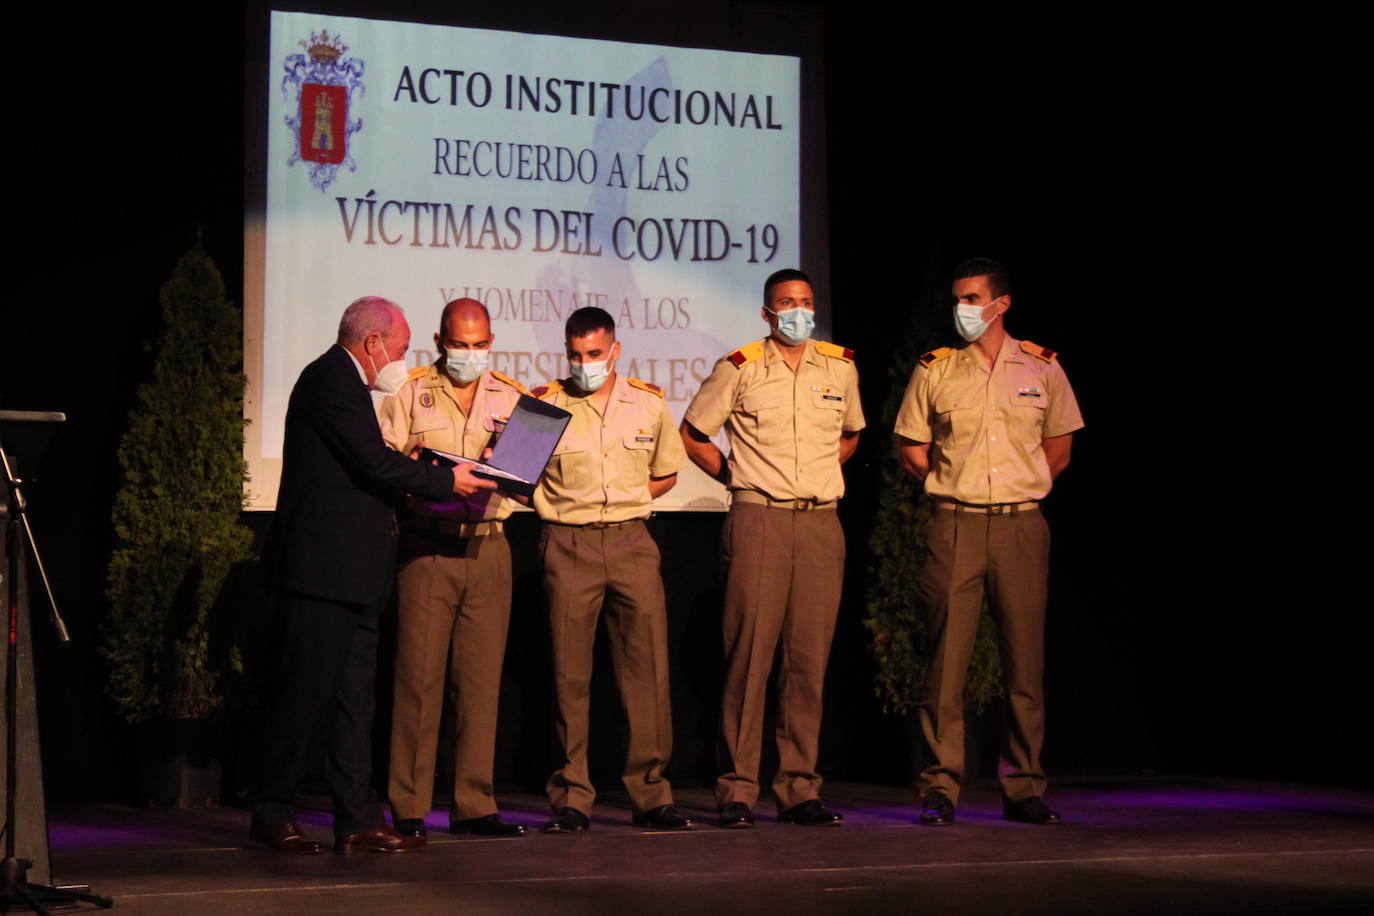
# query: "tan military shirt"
{"type": "Point", "coordinates": [601, 467]}
{"type": "Point", "coordinates": [985, 427]}
{"type": "Point", "coordinates": [426, 410]}
{"type": "Point", "coordinates": [784, 427]}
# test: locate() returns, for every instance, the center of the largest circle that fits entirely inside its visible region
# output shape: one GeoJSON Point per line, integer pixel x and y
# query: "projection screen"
{"type": "Point", "coordinates": [535, 173]}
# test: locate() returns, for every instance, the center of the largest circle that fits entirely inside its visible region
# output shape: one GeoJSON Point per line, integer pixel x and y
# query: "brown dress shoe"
{"type": "Point", "coordinates": [382, 838]}
{"type": "Point", "coordinates": [283, 837]}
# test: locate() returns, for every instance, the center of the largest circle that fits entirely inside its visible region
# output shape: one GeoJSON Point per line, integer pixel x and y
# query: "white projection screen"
{"type": "Point", "coordinates": [535, 173]}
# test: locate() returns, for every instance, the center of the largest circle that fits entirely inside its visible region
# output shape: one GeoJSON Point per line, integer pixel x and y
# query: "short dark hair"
{"type": "Point", "coordinates": [786, 275]}
{"type": "Point", "coordinates": [586, 320]}
{"type": "Point", "coordinates": [999, 281]}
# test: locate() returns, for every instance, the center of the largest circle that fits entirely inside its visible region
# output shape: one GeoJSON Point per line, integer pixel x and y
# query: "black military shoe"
{"type": "Point", "coordinates": [664, 817]}
{"type": "Point", "coordinates": [936, 809]}
{"type": "Point", "coordinates": [411, 826]}
{"type": "Point", "coordinates": [811, 814]}
{"type": "Point", "coordinates": [490, 825]}
{"type": "Point", "coordinates": [567, 820]}
{"type": "Point", "coordinates": [1030, 811]}
{"type": "Point", "coordinates": [736, 815]}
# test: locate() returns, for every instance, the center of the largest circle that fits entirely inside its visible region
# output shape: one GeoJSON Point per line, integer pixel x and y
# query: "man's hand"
{"type": "Point", "coordinates": [465, 483]}
{"type": "Point", "coordinates": [914, 457]}
{"type": "Point", "coordinates": [414, 453]}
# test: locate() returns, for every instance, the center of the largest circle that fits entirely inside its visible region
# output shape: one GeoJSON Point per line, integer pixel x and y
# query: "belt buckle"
{"type": "Point", "coordinates": [997, 509]}
{"type": "Point", "coordinates": [802, 505]}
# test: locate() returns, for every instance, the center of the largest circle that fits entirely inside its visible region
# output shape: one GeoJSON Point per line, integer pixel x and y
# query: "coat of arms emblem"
{"type": "Point", "coordinates": [324, 82]}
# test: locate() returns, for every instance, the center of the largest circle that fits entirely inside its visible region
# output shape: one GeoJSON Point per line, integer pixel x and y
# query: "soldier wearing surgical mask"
{"type": "Point", "coordinates": [790, 409]}
{"type": "Point", "coordinates": [986, 429]}
{"type": "Point", "coordinates": [619, 452]}
{"type": "Point", "coordinates": [453, 582]}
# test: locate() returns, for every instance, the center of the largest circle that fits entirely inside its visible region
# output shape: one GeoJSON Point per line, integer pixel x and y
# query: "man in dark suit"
{"type": "Point", "coordinates": [332, 550]}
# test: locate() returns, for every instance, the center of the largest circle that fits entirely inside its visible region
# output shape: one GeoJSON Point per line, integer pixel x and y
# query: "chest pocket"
{"type": "Point", "coordinates": [957, 420]}
{"type": "Point", "coordinates": [1026, 411]}
{"type": "Point", "coordinates": [431, 425]}
{"type": "Point", "coordinates": [766, 417]}
{"type": "Point", "coordinates": [481, 434]}
{"type": "Point", "coordinates": [570, 467]}
{"type": "Point", "coordinates": [636, 451]}
{"type": "Point", "coordinates": [827, 413]}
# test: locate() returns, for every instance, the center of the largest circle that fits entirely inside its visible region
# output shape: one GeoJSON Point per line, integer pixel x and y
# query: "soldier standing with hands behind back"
{"type": "Point", "coordinates": [619, 452]}
{"type": "Point", "coordinates": [790, 408]}
{"type": "Point", "coordinates": [987, 429]}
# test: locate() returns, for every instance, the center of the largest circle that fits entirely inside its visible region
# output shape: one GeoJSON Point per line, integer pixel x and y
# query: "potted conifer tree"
{"type": "Point", "coordinates": [169, 637]}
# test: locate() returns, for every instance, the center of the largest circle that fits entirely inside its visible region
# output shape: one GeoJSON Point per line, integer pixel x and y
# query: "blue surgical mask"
{"type": "Point", "coordinates": [795, 325]}
{"type": "Point", "coordinates": [466, 365]}
{"type": "Point", "coordinates": [590, 376]}
{"type": "Point", "coordinates": [968, 320]}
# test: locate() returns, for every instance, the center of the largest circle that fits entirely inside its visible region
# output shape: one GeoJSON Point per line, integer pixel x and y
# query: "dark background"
{"type": "Point", "coordinates": [1202, 615]}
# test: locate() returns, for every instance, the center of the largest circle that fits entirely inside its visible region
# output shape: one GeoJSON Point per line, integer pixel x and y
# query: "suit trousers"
{"type": "Point", "coordinates": [615, 568]}
{"type": "Point", "coordinates": [330, 672]}
{"type": "Point", "coordinates": [453, 611]}
{"type": "Point", "coordinates": [784, 572]}
{"type": "Point", "coordinates": [1010, 554]}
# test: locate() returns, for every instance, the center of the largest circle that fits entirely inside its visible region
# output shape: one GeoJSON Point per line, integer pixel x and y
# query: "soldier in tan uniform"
{"type": "Point", "coordinates": [987, 428]}
{"type": "Point", "coordinates": [454, 582]}
{"type": "Point", "coordinates": [619, 451]}
{"type": "Point", "coordinates": [790, 409]}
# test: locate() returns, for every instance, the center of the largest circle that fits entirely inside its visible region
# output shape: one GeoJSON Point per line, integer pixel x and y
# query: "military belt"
{"type": "Point", "coordinates": [993, 509]}
{"type": "Point", "coordinates": [754, 497]}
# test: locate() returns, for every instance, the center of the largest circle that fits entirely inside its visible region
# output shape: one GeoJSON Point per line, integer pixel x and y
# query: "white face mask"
{"type": "Point", "coordinates": [391, 377]}
{"type": "Point", "coordinates": [968, 319]}
{"type": "Point", "coordinates": [465, 365]}
{"type": "Point", "coordinates": [590, 376]}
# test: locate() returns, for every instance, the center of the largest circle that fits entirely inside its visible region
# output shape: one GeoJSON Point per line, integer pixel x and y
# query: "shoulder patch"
{"type": "Point", "coordinates": [546, 389]}
{"type": "Point", "coordinates": [746, 354]}
{"type": "Point", "coordinates": [936, 355]}
{"type": "Point", "coordinates": [644, 386]}
{"type": "Point", "coordinates": [1044, 353]}
{"type": "Point", "coordinates": [502, 377]}
{"type": "Point", "coordinates": [826, 348]}
{"type": "Point", "coordinates": [417, 372]}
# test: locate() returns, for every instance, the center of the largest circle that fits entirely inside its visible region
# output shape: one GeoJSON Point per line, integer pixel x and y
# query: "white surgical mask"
{"type": "Point", "coordinates": [795, 324]}
{"type": "Point", "coordinates": [968, 319]}
{"type": "Point", "coordinates": [590, 376]}
{"type": "Point", "coordinates": [465, 365]}
{"type": "Point", "coordinates": [391, 377]}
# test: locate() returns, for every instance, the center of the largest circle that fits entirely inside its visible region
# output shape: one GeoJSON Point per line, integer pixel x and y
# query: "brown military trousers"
{"type": "Point", "coordinates": [784, 571]}
{"type": "Point", "coordinates": [454, 610]}
{"type": "Point", "coordinates": [1010, 554]}
{"type": "Point", "coordinates": [616, 569]}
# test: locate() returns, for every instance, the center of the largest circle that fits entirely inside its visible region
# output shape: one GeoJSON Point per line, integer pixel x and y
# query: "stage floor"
{"type": "Point", "coordinates": [1143, 845]}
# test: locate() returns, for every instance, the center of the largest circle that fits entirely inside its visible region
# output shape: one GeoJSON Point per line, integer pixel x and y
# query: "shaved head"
{"type": "Point", "coordinates": [464, 313]}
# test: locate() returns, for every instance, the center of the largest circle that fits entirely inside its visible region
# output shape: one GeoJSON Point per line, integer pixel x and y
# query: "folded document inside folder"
{"type": "Point", "coordinates": [531, 435]}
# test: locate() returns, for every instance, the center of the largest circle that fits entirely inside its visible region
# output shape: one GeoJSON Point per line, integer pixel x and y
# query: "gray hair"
{"type": "Point", "coordinates": [366, 315]}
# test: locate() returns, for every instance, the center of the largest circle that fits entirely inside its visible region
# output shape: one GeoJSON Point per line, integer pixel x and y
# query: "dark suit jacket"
{"type": "Point", "coordinates": [334, 532]}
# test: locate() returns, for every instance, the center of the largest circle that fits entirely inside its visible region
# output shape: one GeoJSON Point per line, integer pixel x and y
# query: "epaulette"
{"type": "Point", "coordinates": [1044, 353]}
{"type": "Point", "coordinates": [547, 389]}
{"type": "Point", "coordinates": [826, 348]}
{"type": "Point", "coordinates": [417, 372]}
{"type": "Point", "coordinates": [502, 377]}
{"type": "Point", "coordinates": [936, 355]}
{"type": "Point", "coordinates": [746, 354]}
{"type": "Point", "coordinates": [644, 386]}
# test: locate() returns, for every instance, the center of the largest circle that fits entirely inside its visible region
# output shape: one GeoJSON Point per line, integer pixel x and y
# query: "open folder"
{"type": "Point", "coordinates": [521, 451]}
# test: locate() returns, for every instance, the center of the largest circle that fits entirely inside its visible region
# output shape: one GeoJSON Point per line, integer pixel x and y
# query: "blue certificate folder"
{"type": "Point", "coordinates": [521, 451]}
